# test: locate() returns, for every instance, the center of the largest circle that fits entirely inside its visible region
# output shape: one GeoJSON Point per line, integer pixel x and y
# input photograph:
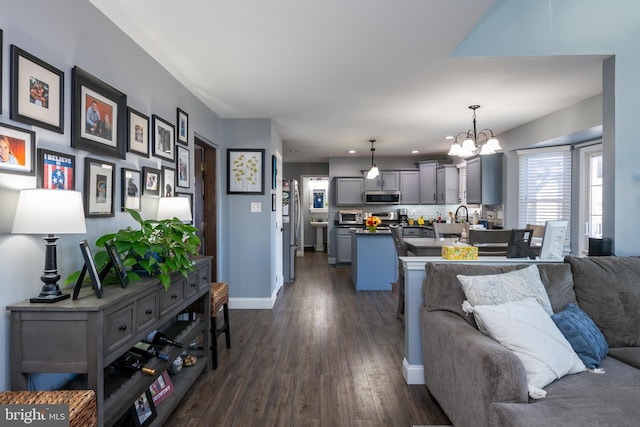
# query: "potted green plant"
{"type": "Point", "coordinates": [158, 248]}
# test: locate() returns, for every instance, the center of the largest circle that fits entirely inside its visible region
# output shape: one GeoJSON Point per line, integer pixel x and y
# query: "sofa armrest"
{"type": "Point", "coordinates": [466, 371]}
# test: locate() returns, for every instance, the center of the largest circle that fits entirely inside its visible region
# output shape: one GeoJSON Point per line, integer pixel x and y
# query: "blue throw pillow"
{"type": "Point", "coordinates": [583, 335]}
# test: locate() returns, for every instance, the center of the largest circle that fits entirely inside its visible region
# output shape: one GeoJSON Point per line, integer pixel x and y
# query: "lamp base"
{"type": "Point", "coordinates": [48, 299]}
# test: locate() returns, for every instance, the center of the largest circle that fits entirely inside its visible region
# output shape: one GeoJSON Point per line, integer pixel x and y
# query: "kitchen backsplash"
{"type": "Point", "coordinates": [429, 212]}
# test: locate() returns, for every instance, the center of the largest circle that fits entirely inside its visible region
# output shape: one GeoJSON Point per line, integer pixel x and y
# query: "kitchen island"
{"type": "Point", "coordinates": [374, 260]}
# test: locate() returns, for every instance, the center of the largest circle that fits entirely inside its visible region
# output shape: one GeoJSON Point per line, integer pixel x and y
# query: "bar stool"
{"type": "Point", "coordinates": [219, 299]}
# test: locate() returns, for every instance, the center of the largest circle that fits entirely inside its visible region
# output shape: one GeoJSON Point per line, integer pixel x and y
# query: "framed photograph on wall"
{"type": "Point", "coordinates": [56, 170]}
{"type": "Point", "coordinates": [245, 171]}
{"type": "Point", "coordinates": [98, 115]}
{"type": "Point", "coordinates": [168, 182]}
{"type": "Point", "coordinates": [1, 55]}
{"type": "Point", "coordinates": [143, 411]}
{"type": "Point", "coordinates": [131, 188]}
{"type": "Point", "coordinates": [183, 127]}
{"type": "Point", "coordinates": [138, 135]}
{"type": "Point", "coordinates": [183, 168]}
{"type": "Point", "coordinates": [151, 181]}
{"type": "Point", "coordinates": [37, 91]}
{"type": "Point", "coordinates": [164, 142]}
{"type": "Point", "coordinates": [274, 172]}
{"type": "Point", "coordinates": [99, 179]}
{"type": "Point", "coordinates": [17, 150]}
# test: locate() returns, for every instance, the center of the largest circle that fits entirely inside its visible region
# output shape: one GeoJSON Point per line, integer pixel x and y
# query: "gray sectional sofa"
{"type": "Point", "coordinates": [478, 382]}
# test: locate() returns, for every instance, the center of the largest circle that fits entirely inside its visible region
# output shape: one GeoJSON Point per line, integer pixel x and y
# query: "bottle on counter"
{"type": "Point", "coordinates": [131, 363]}
{"type": "Point", "coordinates": [157, 337]}
{"type": "Point", "coordinates": [147, 351]}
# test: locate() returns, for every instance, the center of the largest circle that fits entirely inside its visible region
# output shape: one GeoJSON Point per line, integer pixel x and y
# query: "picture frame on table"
{"type": "Point", "coordinates": [168, 182]}
{"type": "Point", "coordinates": [183, 166]}
{"type": "Point", "coordinates": [161, 388]}
{"type": "Point", "coordinates": [98, 115]}
{"type": "Point", "coordinates": [183, 127]}
{"type": "Point", "coordinates": [37, 91]}
{"type": "Point", "coordinates": [115, 262]}
{"type": "Point", "coordinates": [143, 411]}
{"type": "Point", "coordinates": [56, 170]}
{"type": "Point", "coordinates": [138, 135]}
{"type": "Point", "coordinates": [17, 150]}
{"type": "Point", "coordinates": [131, 187]}
{"type": "Point", "coordinates": [99, 180]}
{"type": "Point", "coordinates": [190, 197]}
{"type": "Point", "coordinates": [151, 181]}
{"type": "Point", "coordinates": [164, 140]}
{"type": "Point", "coordinates": [89, 267]}
{"type": "Point", "coordinates": [245, 171]}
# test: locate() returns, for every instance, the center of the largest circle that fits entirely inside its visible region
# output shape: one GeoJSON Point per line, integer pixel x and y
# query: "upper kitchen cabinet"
{"type": "Point", "coordinates": [349, 191]}
{"type": "Point", "coordinates": [447, 185]}
{"type": "Point", "coordinates": [387, 180]}
{"type": "Point", "coordinates": [427, 182]}
{"type": "Point", "coordinates": [484, 180]}
{"type": "Point", "coordinates": [409, 187]}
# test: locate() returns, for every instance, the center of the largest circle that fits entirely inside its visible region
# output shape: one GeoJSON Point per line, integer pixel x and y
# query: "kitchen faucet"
{"type": "Point", "coordinates": [465, 209]}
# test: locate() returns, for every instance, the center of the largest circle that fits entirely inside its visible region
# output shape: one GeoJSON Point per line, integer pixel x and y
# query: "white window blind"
{"type": "Point", "coordinates": [462, 182]}
{"type": "Point", "coordinates": [545, 186]}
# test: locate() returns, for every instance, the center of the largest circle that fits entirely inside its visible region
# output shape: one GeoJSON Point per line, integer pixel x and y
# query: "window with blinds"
{"type": "Point", "coordinates": [462, 182]}
{"type": "Point", "coordinates": [545, 187]}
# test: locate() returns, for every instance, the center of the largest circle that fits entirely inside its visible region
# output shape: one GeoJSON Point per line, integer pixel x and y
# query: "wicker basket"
{"type": "Point", "coordinates": [82, 403]}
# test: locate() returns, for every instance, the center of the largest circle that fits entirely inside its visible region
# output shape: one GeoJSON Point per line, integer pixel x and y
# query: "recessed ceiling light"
{"type": "Point", "coordinates": [352, 151]}
{"type": "Point", "coordinates": [414, 151]}
{"type": "Point", "coordinates": [448, 137]}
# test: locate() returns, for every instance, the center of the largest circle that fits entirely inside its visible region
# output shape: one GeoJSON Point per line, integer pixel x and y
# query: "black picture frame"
{"type": "Point", "coordinates": [182, 123]}
{"type": "Point", "coordinates": [131, 189]}
{"type": "Point", "coordinates": [56, 170]}
{"type": "Point", "coordinates": [1, 68]}
{"type": "Point", "coordinates": [274, 172]}
{"type": "Point", "coordinates": [90, 267]}
{"type": "Point", "coordinates": [37, 91]}
{"type": "Point", "coordinates": [273, 202]}
{"type": "Point", "coordinates": [99, 188]}
{"type": "Point", "coordinates": [96, 135]}
{"type": "Point", "coordinates": [245, 171]}
{"type": "Point", "coordinates": [143, 410]}
{"type": "Point", "coordinates": [183, 167]}
{"type": "Point", "coordinates": [18, 146]}
{"type": "Point", "coordinates": [164, 139]}
{"type": "Point", "coordinates": [151, 181]}
{"type": "Point", "coordinates": [168, 182]}
{"type": "Point", "coordinates": [520, 244]}
{"type": "Point", "coordinates": [115, 262]}
{"type": "Point", "coordinates": [138, 132]}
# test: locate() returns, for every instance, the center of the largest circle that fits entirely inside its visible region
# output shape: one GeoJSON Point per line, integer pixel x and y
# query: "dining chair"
{"type": "Point", "coordinates": [401, 250]}
{"type": "Point", "coordinates": [490, 242]}
{"type": "Point", "coordinates": [441, 229]}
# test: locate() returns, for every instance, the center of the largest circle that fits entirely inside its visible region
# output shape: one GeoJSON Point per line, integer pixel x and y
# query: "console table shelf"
{"type": "Point", "coordinates": [85, 335]}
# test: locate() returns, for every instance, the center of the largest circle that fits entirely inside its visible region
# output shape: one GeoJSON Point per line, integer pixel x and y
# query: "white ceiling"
{"type": "Point", "coordinates": [333, 74]}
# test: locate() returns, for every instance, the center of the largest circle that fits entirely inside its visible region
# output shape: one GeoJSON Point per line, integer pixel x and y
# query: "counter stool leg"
{"type": "Point", "coordinates": [214, 343]}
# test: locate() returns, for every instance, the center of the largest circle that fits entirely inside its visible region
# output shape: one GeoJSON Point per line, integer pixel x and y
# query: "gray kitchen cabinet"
{"type": "Point", "coordinates": [343, 255]}
{"type": "Point", "coordinates": [484, 180]}
{"type": "Point", "coordinates": [447, 185]}
{"type": "Point", "coordinates": [84, 336]}
{"type": "Point", "coordinates": [349, 191]}
{"type": "Point", "coordinates": [411, 232]}
{"type": "Point", "coordinates": [410, 187]}
{"type": "Point", "coordinates": [386, 180]}
{"type": "Point", "coordinates": [428, 182]}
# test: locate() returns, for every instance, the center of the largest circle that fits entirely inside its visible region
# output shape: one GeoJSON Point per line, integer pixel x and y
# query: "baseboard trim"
{"type": "Point", "coordinates": [254, 303]}
{"type": "Point", "coordinates": [413, 374]}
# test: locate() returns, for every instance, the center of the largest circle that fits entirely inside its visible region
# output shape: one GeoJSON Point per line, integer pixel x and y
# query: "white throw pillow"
{"type": "Point", "coordinates": [526, 329]}
{"type": "Point", "coordinates": [515, 285]}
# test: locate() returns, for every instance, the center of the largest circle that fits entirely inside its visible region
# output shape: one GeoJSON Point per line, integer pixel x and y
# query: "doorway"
{"type": "Point", "coordinates": [205, 200]}
{"type": "Point", "coordinates": [314, 206]}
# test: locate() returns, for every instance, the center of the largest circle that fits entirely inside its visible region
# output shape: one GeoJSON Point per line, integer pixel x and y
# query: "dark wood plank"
{"type": "Point", "coordinates": [325, 355]}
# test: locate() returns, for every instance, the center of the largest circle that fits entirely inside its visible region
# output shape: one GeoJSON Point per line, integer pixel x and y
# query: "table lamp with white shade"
{"type": "Point", "coordinates": [174, 207]}
{"type": "Point", "coordinates": [49, 212]}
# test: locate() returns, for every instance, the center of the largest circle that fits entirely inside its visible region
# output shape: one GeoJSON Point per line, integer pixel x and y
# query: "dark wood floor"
{"type": "Point", "coordinates": [326, 355]}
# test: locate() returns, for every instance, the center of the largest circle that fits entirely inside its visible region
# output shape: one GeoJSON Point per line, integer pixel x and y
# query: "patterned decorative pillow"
{"type": "Point", "coordinates": [583, 335]}
{"type": "Point", "coordinates": [500, 288]}
{"type": "Point", "coordinates": [526, 329]}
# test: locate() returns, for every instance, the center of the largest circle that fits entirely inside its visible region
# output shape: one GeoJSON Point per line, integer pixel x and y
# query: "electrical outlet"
{"type": "Point", "coordinates": [256, 207]}
{"type": "Point", "coordinates": [413, 212]}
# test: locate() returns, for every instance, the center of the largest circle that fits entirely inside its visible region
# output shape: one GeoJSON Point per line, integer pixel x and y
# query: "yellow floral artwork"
{"type": "Point", "coordinates": [245, 171]}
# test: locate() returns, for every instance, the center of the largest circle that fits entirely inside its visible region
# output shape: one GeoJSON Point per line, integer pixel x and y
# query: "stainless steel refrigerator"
{"type": "Point", "coordinates": [291, 217]}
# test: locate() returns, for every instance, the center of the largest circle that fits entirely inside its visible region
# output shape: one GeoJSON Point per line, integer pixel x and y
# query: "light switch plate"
{"type": "Point", "coordinates": [256, 207]}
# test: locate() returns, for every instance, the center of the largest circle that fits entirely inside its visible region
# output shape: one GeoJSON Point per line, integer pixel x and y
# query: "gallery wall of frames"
{"type": "Point", "coordinates": [102, 125]}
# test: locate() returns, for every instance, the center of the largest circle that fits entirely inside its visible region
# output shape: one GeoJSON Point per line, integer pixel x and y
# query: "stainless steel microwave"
{"type": "Point", "coordinates": [350, 217]}
{"type": "Point", "coordinates": [382, 197]}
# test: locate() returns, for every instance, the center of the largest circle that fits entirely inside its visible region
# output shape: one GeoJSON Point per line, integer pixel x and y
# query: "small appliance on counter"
{"type": "Point", "coordinates": [403, 216]}
{"type": "Point", "coordinates": [350, 217]}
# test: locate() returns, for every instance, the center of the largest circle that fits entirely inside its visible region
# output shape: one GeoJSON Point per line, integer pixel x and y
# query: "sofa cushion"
{"type": "Point", "coordinates": [500, 288]}
{"type": "Point", "coordinates": [628, 355]}
{"type": "Point", "coordinates": [442, 290]}
{"type": "Point", "coordinates": [525, 328]}
{"type": "Point", "coordinates": [608, 290]}
{"type": "Point", "coordinates": [583, 335]}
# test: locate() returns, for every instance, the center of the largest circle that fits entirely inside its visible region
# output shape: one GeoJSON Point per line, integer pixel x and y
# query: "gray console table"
{"type": "Point", "coordinates": [86, 335]}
